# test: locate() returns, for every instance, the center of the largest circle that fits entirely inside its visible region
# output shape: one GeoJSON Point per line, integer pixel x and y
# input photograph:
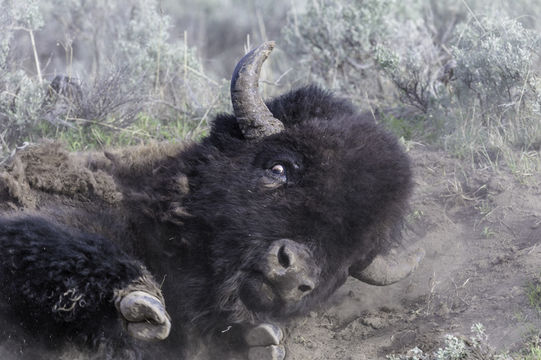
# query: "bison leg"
{"type": "Point", "coordinates": [64, 283]}
{"type": "Point", "coordinates": [264, 342]}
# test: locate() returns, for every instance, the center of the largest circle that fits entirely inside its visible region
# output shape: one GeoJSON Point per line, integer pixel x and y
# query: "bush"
{"type": "Point", "coordinates": [20, 96]}
{"type": "Point", "coordinates": [488, 77]}
{"type": "Point", "coordinates": [495, 68]}
{"type": "Point", "coordinates": [495, 95]}
{"type": "Point", "coordinates": [460, 75]}
{"type": "Point", "coordinates": [334, 43]}
{"type": "Point", "coordinates": [135, 77]}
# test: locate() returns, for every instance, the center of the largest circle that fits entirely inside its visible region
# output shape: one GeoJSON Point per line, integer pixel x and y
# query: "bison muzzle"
{"type": "Point", "coordinates": [287, 273]}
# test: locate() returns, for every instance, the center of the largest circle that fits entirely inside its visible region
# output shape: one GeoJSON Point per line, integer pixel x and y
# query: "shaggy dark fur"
{"type": "Point", "coordinates": [58, 283]}
{"type": "Point", "coordinates": [199, 220]}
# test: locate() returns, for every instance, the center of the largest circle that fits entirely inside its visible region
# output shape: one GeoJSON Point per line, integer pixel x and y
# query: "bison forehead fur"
{"type": "Point", "coordinates": [208, 218]}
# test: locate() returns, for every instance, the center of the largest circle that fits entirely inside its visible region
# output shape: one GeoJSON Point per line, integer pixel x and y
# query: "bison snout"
{"type": "Point", "coordinates": [290, 268]}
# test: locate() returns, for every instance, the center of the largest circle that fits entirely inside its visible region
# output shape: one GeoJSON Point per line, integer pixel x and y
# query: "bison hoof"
{"type": "Point", "coordinates": [271, 352]}
{"type": "Point", "coordinates": [264, 342]}
{"type": "Point", "coordinates": [145, 316]}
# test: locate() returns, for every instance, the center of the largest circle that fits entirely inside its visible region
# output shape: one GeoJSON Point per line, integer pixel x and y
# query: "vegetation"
{"type": "Point", "coordinates": [457, 75]}
{"type": "Point", "coordinates": [463, 76]}
{"type": "Point", "coordinates": [457, 348]}
{"type": "Point", "coordinates": [139, 85]}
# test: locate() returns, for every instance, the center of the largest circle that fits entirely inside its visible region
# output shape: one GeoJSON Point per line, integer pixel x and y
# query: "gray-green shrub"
{"type": "Point", "coordinates": [462, 75]}
{"type": "Point", "coordinates": [135, 73]}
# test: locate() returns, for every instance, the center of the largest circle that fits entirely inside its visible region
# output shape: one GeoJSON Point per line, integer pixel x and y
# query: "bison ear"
{"type": "Point", "coordinates": [226, 124]}
{"type": "Point", "coordinates": [225, 132]}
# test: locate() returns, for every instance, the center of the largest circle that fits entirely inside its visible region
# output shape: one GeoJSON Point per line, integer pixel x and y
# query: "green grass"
{"type": "Point", "coordinates": [533, 353]}
{"type": "Point", "coordinates": [533, 291]}
{"type": "Point", "coordinates": [418, 127]}
{"type": "Point", "coordinates": [89, 135]}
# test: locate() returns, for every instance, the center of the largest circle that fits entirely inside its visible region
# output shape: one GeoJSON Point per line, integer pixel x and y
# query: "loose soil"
{"type": "Point", "coordinates": [481, 232]}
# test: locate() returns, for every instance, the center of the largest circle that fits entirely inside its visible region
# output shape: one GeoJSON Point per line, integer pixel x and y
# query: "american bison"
{"type": "Point", "coordinates": [260, 221]}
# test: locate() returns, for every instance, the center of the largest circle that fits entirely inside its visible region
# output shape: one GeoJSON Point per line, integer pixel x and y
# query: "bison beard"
{"type": "Point", "coordinates": [255, 223]}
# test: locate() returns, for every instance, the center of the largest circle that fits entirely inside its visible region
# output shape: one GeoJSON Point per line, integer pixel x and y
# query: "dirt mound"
{"type": "Point", "coordinates": [481, 232]}
{"type": "Point", "coordinates": [49, 168]}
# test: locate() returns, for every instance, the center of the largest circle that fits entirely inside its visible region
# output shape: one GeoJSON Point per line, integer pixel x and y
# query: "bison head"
{"type": "Point", "coordinates": [291, 194]}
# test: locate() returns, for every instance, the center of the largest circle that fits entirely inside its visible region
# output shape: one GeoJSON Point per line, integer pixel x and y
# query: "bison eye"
{"type": "Point", "coordinates": [278, 170]}
{"type": "Point", "coordinates": [275, 176]}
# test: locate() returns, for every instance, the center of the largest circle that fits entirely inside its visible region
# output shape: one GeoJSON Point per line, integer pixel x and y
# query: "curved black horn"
{"type": "Point", "coordinates": [390, 268]}
{"type": "Point", "coordinates": [254, 118]}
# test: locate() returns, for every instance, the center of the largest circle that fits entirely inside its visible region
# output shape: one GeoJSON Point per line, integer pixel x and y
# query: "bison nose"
{"type": "Point", "coordinates": [291, 269]}
{"type": "Point", "coordinates": [287, 259]}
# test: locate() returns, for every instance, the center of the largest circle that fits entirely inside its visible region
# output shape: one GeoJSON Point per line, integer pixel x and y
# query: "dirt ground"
{"type": "Point", "coordinates": [481, 232]}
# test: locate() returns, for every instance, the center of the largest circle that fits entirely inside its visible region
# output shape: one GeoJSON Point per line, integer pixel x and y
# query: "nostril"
{"type": "Point", "coordinates": [305, 288]}
{"type": "Point", "coordinates": [283, 257]}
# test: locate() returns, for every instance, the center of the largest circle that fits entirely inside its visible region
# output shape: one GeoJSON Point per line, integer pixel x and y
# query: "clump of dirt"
{"type": "Point", "coordinates": [48, 169]}
{"type": "Point", "coordinates": [480, 230]}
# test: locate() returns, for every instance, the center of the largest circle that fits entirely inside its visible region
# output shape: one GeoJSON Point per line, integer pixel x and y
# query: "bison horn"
{"type": "Point", "coordinates": [254, 118]}
{"type": "Point", "coordinates": [388, 269]}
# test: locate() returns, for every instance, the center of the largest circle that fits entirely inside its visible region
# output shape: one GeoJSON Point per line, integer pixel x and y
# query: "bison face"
{"type": "Point", "coordinates": [290, 213]}
{"type": "Point", "coordinates": [286, 197]}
